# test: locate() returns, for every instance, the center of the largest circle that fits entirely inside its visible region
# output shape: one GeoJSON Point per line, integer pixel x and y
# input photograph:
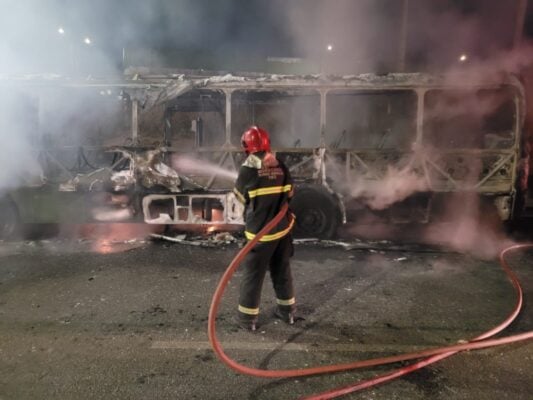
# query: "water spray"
{"type": "Point", "coordinates": [190, 165]}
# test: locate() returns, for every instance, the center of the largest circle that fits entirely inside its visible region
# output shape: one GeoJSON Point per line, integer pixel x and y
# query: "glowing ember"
{"type": "Point", "coordinates": [217, 215]}
{"type": "Point", "coordinates": [103, 246]}
{"type": "Point", "coordinates": [114, 238]}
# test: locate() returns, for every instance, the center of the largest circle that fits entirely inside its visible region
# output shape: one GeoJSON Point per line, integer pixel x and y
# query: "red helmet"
{"type": "Point", "coordinates": [255, 139]}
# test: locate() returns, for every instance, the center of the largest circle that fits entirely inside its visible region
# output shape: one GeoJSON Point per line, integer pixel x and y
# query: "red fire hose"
{"type": "Point", "coordinates": [433, 355]}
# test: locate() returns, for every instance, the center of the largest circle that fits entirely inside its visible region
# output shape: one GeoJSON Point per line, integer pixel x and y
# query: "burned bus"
{"type": "Point", "coordinates": [165, 148]}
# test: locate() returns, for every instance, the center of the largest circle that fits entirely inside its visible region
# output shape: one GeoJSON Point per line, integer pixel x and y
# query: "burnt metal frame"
{"type": "Point", "coordinates": [156, 89]}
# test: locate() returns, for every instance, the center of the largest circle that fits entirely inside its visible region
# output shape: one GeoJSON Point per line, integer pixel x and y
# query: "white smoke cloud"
{"type": "Point", "coordinates": [31, 48]}
{"type": "Point", "coordinates": [395, 186]}
{"type": "Point", "coordinates": [18, 163]}
{"type": "Point", "coordinates": [341, 37]}
{"type": "Point", "coordinates": [471, 226]}
{"type": "Point", "coordinates": [363, 35]}
{"type": "Point", "coordinates": [367, 35]}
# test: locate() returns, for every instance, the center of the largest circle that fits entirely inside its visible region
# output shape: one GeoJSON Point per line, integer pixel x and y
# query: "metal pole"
{"type": "Point", "coordinates": [134, 121]}
{"type": "Point", "coordinates": [403, 36]}
{"type": "Point", "coordinates": [521, 8]}
{"type": "Point", "coordinates": [229, 93]}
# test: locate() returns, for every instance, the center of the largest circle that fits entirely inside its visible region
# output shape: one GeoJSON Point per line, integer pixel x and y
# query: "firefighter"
{"type": "Point", "coordinates": [263, 186]}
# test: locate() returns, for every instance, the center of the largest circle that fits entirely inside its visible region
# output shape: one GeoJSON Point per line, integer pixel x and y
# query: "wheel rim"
{"type": "Point", "coordinates": [313, 221]}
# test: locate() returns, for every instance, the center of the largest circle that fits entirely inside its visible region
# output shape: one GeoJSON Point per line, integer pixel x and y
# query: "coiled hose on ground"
{"type": "Point", "coordinates": [428, 356]}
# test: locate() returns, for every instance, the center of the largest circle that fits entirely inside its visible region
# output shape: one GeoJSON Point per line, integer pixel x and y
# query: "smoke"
{"type": "Point", "coordinates": [51, 37]}
{"type": "Point", "coordinates": [36, 123]}
{"type": "Point", "coordinates": [395, 186]}
{"type": "Point", "coordinates": [81, 116]}
{"type": "Point", "coordinates": [471, 226]}
{"type": "Point", "coordinates": [380, 193]}
{"type": "Point", "coordinates": [364, 36]}
{"type": "Point", "coordinates": [368, 35]}
{"type": "Point", "coordinates": [47, 40]}
{"type": "Point", "coordinates": [468, 43]}
{"type": "Point", "coordinates": [71, 40]}
{"type": "Point", "coordinates": [342, 36]}
{"type": "Point", "coordinates": [17, 164]}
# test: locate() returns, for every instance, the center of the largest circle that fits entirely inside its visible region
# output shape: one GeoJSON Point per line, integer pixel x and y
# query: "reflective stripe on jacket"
{"type": "Point", "coordinates": [264, 184]}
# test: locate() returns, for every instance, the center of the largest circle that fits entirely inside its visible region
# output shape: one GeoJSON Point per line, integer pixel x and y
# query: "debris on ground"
{"type": "Point", "coordinates": [225, 238]}
{"type": "Point", "coordinates": [176, 239]}
{"type": "Point", "coordinates": [378, 246]}
{"type": "Point", "coordinates": [214, 240]}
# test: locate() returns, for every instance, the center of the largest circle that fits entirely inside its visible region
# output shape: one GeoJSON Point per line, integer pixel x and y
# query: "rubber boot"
{"type": "Point", "coordinates": [287, 314]}
{"type": "Point", "coordinates": [246, 321]}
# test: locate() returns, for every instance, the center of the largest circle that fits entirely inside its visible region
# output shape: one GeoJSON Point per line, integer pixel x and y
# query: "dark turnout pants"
{"type": "Point", "coordinates": [275, 256]}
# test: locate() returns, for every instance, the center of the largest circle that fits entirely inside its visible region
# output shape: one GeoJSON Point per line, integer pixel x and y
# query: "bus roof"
{"type": "Point", "coordinates": [159, 86]}
{"type": "Point", "coordinates": [147, 78]}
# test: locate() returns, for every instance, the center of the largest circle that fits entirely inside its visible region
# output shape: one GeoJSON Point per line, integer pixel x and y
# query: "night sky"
{"type": "Point", "coordinates": [240, 33]}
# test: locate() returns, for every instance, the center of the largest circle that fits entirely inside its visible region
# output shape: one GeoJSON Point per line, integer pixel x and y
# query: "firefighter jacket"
{"type": "Point", "coordinates": [263, 186]}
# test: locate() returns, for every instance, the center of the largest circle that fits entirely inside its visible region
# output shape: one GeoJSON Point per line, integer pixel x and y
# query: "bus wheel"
{"type": "Point", "coordinates": [317, 213]}
{"type": "Point", "coordinates": [9, 221]}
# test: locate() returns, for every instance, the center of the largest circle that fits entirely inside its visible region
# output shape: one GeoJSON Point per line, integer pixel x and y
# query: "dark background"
{"type": "Point", "coordinates": [366, 35]}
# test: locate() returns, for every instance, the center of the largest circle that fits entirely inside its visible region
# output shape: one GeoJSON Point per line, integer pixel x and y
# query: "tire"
{"type": "Point", "coordinates": [9, 220]}
{"type": "Point", "coordinates": [317, 213]}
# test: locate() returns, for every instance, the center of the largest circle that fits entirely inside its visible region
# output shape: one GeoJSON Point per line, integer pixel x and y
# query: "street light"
{"type": "Point", "coordinates": [463, 57]}
{"type": "Point", "coordinates": [324, 56]}
{"type": "Point", "coordinates": [75, 52]}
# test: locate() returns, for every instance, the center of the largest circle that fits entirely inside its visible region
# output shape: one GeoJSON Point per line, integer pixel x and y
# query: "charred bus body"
{"type": "Point", "coordinates": [164, 149]}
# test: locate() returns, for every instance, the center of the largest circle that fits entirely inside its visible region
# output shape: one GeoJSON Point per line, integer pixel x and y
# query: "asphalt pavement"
{"type": "Point", "coordinates": [128, 320]}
